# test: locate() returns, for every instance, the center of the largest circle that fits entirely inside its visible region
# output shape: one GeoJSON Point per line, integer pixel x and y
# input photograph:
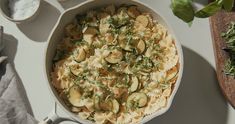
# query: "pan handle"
{"type": "Point", "coordinates": [53, 118]}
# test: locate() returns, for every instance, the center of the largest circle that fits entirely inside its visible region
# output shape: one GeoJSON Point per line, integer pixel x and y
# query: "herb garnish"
{"type": "Point", "coordinates": [229, 37]}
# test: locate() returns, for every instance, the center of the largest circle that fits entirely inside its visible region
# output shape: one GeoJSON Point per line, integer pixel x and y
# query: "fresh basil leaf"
{"type": "Point", "coordinates": [183, 9]}
{"type": "Point", "coordinates": [209, 9]}
{"type": "Point", "coordinates": [228, 5]}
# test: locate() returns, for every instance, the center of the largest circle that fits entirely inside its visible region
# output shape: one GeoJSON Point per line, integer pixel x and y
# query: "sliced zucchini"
{"type": "Point", "coordinates": [89, 104]}
{"type": "Point", "coordinates": [114, 57]}
{"type": "Point", "coordinates": [74, 70]}
{"type": "Point", "coordinates": [80, 56]}
{"type": "Point", "coordinates": [140, 46]}
{"type": "Point", "coordinates": [127, 70]}
{"type": "Point", "coordinates": [123, 43]}
{"type": "Point", "coordinates": [90, 30]}
{"type": "Point", "coordinates": [109, 38]}
{"type": "Point", "coordinates": [89, 34]}
{"type": "Point", "coordinates": [75, 96]}
{"type": "Point", "coordinates": [135, 84]}
{"type": "Point", "coordinates": [143, 99]}
{"type": "Point", "coordinates": [171, 73]}
{"type": "Point", "coordinates": [148, 52]}
{"type": "Point", "coordinates": [142, 20]}
{"type": "Point", "coordinates": [133, 12]}
{"type": "Point", "coordinates": [115, 106]}
{"type": "Point", "coordinates": [136, 100]}
{"type": "Point", "coordinates": [124, 46]}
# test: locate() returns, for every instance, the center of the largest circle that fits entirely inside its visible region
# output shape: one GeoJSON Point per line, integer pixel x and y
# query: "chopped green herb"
{"type": "Point", "coordinates": [229, 37]}
{"type": "Point", "coordinates": [229, 68]}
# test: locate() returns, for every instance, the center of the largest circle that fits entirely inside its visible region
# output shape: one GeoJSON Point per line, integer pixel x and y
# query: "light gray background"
{"type": "Point", "coordinates": [198, 100]}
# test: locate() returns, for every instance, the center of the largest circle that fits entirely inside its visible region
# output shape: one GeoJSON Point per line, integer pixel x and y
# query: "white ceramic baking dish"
{"type": "Point", "coordinates": [58, 32]}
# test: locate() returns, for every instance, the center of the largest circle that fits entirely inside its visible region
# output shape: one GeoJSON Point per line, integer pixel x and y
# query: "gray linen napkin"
{"type": "Point", "coordinates": [14, 104]}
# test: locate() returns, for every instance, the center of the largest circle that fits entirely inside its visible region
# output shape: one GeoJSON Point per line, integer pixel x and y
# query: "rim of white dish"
{"type": "Point", "coordinates": [146, 118]}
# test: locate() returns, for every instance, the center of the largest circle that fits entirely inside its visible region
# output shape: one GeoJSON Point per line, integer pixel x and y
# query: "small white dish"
{"type": "Point", "coordinates": [4, 9]}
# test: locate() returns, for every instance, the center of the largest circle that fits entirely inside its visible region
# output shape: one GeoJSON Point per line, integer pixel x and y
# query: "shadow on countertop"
{"type": "Point", "coordinates": [40, 28]}
{"type": "Point", "coordinates": [70, 3]}
{"type": "Point", "coordinates": [198, 100]}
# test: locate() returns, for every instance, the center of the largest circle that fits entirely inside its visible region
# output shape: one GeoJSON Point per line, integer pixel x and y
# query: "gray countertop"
{"type": "Point", "coordinates": [198, 100]}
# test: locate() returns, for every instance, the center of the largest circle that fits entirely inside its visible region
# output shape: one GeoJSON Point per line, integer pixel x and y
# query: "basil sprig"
{"type": "Point", "coordinates": [185, 10]}
{"type": "Point", "coordinates": [209, 9]}
{"type": "Point", "coordinates": [228, 4]}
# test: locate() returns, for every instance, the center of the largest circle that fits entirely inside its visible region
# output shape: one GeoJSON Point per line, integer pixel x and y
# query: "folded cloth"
{"type": "Point", "coordinates": [14, 105]}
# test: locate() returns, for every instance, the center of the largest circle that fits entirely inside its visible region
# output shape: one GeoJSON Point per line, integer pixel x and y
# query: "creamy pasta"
{"type": "Point", "coordinates": [115, 65]}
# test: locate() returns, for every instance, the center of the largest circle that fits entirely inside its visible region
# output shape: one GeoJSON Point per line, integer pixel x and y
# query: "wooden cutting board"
{"type": "Point", "coordinates": [219, 23]}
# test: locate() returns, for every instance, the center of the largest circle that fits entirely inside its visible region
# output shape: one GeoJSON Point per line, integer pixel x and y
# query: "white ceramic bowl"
{"type": "Point", "coordinates": [58, 33]}
{"type": "Point", "coordinates": [4, 9]}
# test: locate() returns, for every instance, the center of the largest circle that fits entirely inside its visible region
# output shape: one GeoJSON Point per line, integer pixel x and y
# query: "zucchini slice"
{"type": "Point", "coordinates": [172, 73]}
{"type": "Point", "coordinates": [124, 46]}
{"type": "Point", "coordinates": [89, 104]}
{"type": "Point", "coordinates": [140, 46]}
{"type": "Point", "coordinates": [75, 96]}
{"type": "Point", "coordinates": [123, 43]}
{"type": "Point", "coordinates": [80, 56]}
{"type": "Point", "coordinates": [142, 20]}
{"type": "Point", "coordinates": [109, 38]}
{"type": "Point", "coordinates": [74, 70]}
{"type": "Point", "coordinates": [114, 57]}
{"type": "Point", "coordinates": [133, 11]}
{"type": "Point", "coordinates": [136, 100]}
{"type": "Point", "coordinates": [89, 34]}
{"type": "Point", "coordinates": [135, 84]}
{"type": "Point", "coordinates": [115, 107]}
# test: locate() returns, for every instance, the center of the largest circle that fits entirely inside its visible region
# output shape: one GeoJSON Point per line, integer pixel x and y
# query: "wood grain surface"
{"type": "Point", "coordinates": [219, 23]}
